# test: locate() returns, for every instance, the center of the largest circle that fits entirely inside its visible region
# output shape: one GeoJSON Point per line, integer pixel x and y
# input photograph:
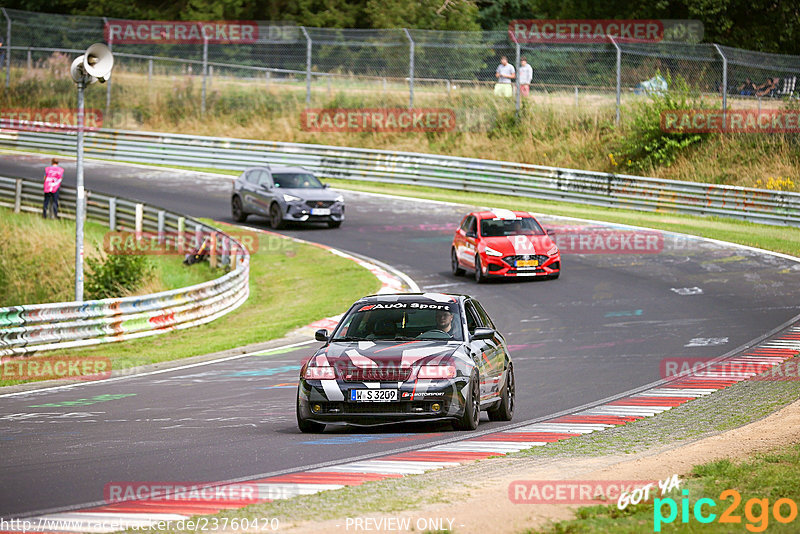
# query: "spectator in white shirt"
{"type": "Point", "coordinates": [505, 73]}
{"type": "Point", "coordinates": [525, 77]}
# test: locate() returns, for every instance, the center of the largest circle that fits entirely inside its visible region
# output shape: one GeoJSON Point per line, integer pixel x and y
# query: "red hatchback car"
{"type": "Point", "coordinates": [504, 243]}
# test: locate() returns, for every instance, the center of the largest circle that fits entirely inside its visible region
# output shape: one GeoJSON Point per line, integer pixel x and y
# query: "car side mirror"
{"type": "Point", "coordinates": [551, 232]}
{"type": "Point", "coordinates": [321, 335]}
{"type": "Point", "coordinates": [325, 186]}
{"type": "Point", "coordinates": [266, 187]}
{"type": "Point", "coordinates": [483, 333]}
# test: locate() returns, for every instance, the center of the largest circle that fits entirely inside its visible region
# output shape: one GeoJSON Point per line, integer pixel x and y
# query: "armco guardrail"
{"type": "Point", "coordinates": [464, 174]}
{"type": "Point", "coordinates": [32, 328]}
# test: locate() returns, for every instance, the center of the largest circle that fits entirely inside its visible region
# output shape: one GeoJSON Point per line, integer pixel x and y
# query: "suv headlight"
{"type": "Point", "coordinates": [340, 198]}
{"type": "Point", "coordinates": [553, 251]}
{"type": "Point", "coordinates": [493, 252]}
{"type": "Point", "coordinates": [290, 198]}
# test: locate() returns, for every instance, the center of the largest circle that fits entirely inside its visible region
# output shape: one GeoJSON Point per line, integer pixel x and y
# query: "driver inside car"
{"type": "Point", "coordinates": [444, 323]}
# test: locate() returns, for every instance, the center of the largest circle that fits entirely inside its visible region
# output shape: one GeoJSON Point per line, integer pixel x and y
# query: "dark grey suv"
{"type": "Point", "coordinates": [285, 194]}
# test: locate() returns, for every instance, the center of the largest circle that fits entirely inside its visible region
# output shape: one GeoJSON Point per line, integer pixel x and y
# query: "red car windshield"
{"type": "Point", "coordinates": [504, 227]}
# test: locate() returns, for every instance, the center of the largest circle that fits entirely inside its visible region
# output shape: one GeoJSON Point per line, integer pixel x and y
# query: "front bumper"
{"type": "Point", "coordinates": [497, 266]}
{"type": "Point", "coordinates": [300, 212]}
{"type": "Point", "coordinates": [441, 400]}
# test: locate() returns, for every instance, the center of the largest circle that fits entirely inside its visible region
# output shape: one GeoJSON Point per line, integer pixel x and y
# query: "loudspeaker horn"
{"type": "Point", "coordinates": [98, 62]}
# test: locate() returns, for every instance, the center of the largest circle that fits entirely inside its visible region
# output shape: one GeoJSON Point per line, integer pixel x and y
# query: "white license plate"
{"type": "Point", "coordinates": [373, 395]}
{"type": "Point", "coordinates": [320, 211]}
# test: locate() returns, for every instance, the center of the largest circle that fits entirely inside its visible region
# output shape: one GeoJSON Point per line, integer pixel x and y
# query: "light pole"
{"type": "Point", "coordinates": [93, 66]}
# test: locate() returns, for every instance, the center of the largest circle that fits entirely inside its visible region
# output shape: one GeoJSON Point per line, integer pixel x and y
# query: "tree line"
{"type": "Point", "coordinates": [762, 25]}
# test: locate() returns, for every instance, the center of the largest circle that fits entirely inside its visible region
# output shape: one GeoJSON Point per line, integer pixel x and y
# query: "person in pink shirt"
{"type": "Point", "coordinates": [52, 182]}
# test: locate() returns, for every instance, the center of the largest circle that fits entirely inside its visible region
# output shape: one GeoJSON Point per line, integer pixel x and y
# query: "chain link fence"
{"type": "Point", "coordinates": [353, 68]}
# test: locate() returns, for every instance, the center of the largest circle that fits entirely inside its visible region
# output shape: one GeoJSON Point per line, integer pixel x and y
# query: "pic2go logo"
{"type": "Point", "coordinates": [783, 511]}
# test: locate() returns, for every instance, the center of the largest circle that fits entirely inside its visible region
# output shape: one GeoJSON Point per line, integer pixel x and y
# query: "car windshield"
{"type": "Point", "coordinates": [503, 227]}
{"type": "Point", "coordinates": [296, 180]}
{"type": "Point", "coordinates": [401, 321]}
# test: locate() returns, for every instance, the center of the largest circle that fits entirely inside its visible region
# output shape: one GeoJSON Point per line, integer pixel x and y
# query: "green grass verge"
{"type": "Point", "coordinates": [766, 478]}
{"type": "Point", "coordinates": [776, 238]}
{"type": "Point", "coordinates": [285, 293]}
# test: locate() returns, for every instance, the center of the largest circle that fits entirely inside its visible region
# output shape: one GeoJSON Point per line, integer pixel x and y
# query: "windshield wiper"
{"type": "Point", "coordinates": [348, 338]}
{"type": "Point", "coordinates": [405, 338]}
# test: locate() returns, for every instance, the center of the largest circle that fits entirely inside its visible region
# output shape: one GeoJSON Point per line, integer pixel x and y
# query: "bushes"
{"type": "Point", "coordinates": [646, 146]}
{"type": "Point", "coordinates": [116, 275]}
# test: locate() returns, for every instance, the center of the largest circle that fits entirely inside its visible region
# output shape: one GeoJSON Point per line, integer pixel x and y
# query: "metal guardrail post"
{"type": "Point", "coordinates": [267, 75]}
{"type": "Point", "coordinates": [309, 46]}
{"type": "Point", "coordinates": [212, 250]}
{"type": "Point", "coordinates": [138, 220]}
{"type": "Point", "coordinates": [226, 250]}
{"type": "Point", "coordinates": [619, 75]}
{"type": "Point", "coordinates": [29, 61]}
{"type": "Point", "coordinates": [112, 213]}
{"type": "Point", "coordinates": [7, 47]}
{"type": "Point", "coordinates": [205, 74]}
{"type": "Point", "coordinates": [161, 236]}
{"type": "Point", "coordinates": [149, 70]}
{"type": "Point", "coordinates": [181, 234]}
{"type": "Point", "coordinates": [18, 195]}
{"type": "Point", "coordinates": [724, 85]}
{"type": "Point", "coordinates": [410, 69]}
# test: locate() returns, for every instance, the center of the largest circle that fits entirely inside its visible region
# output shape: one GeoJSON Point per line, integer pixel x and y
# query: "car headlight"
{"type": "Point", "coordinates": [553, 251]}
{"type": "Point", "coordinates": [319, 373]}
{"type": "Point", "coordinates": [290, 198]}
{"type": "Point", "coordinates": [493, 252]}
{"type": "Point", "coordinates": [436, 372]}
{"type": "Point", "coordinates": [340, 198]}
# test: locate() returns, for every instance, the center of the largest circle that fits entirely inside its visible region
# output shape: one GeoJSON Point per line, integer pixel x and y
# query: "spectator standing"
{"type": "Point", "coordinates": [505, 73]}
{"type": "Point", "coordinates": [52, 182]}
{"type": "Point", "coordinates": [525, 77]}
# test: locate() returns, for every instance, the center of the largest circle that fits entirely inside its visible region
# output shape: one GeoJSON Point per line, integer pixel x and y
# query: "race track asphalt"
{"type": "Point", "coordinates": [603, 328]}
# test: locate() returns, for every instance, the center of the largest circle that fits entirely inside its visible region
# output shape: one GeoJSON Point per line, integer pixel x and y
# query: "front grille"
{"type": "Point", "coordinates": [376, 374]}
{"type": "Point", "coordinates": [512, 260]}
{"type": "Point", "coordinates": [319, 203]}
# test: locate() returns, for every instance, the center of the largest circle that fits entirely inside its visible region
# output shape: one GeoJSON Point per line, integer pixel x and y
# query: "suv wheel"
{"type": "Point", "coordinates": [236, 210]}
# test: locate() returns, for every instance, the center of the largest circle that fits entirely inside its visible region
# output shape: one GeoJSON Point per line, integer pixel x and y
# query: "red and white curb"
{"type": "Point", "coordinates": [144, 513]}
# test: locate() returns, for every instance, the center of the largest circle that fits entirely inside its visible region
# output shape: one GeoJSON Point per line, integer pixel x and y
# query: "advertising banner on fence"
{"type": "Point", "coordinates": [49, 119]}
{"type": "Point", "coordinates": [180, 32]}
